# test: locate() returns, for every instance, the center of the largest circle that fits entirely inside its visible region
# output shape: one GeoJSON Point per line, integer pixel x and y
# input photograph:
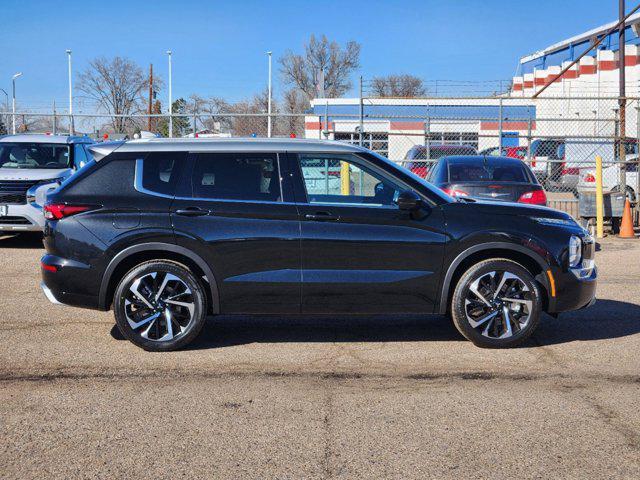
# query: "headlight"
{"type": "Point", "coordinates": [555, 221]}
{"type": "Point", "coordinates": [575, 251]}
{"type": "Point", "coordinates": [37, 194]}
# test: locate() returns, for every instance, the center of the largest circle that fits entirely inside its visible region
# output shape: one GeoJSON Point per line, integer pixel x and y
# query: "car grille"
{"type": "Point", "coordinates": [14, 221]}
{"type": "Point", "coordinates": [14, 192]}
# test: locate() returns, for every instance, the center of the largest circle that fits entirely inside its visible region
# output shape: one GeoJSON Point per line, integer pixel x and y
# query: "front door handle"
{"type": "Point", "coordinates": [322, 217]}
{"type": "Point", "coordinates": [192, 212]}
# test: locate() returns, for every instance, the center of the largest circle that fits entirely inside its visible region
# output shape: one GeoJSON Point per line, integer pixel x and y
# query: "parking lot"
{"type": "Point", "coordinates": [375, 397]}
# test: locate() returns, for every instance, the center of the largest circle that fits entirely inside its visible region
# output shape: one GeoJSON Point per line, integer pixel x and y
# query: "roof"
{"type": "Point", "coordinates": [481, 158]}
{"type": "Point", "coordinates": [100, 150]}
{"type": "Point", "coordinates": [44, 138]}
{"type": "Point", "coordinates": [580, 38]}
{"type": "Point", "coordinates": [238, 144]}
{"type": "Point", "coordinates": [404, 110]}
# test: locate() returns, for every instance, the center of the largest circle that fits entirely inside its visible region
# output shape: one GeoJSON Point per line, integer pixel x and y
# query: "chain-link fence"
{"type": "Point", "coordinates": [557, 137]}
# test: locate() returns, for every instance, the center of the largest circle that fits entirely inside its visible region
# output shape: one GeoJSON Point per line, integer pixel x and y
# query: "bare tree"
{"type": "Point", "coordinates": [118, 85]}
{"type": "Point", "coordinates": [294, 103]}
{"type": "Point", "coordinates": [321, 59]}
{"type": "Point", "coordinates": [405, 86]}
{"type": "Point", "coordinates": [212, 113]}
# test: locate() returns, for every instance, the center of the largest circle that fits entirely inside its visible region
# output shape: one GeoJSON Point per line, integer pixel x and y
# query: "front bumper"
{"type": "Point", "coordinates": [22, 218]}
{"type": "Point", "coordinates": [574, 291]}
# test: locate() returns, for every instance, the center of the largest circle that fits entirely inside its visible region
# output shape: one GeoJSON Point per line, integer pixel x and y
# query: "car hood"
{"type": "Point", "coordinates": [33, 173]}
{"type": "Point", "coordinates": [511, 208]}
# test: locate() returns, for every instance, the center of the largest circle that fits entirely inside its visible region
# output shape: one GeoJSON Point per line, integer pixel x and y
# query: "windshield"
{"type": "Point", "coordinates": [488, 170]}
{"type": "Point", "coordinates": [34, 155]}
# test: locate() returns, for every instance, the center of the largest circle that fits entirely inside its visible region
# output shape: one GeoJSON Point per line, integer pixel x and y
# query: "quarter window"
{"type": "Point", "coordinates": [236, 176]}
{"type": "Point", "coordinates": [160, 171]}
{"type": "Point", "coordinates": [342, 179]}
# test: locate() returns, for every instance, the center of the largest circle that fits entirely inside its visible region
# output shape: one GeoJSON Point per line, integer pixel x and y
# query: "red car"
{"type": "Point", "coordinates": [429, 155]}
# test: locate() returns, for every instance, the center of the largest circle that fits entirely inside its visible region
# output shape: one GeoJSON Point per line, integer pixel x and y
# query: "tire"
{"type": "Point", "coordinates": [475, 300]}
{"type": "Point", "coordinates": [160, 306]}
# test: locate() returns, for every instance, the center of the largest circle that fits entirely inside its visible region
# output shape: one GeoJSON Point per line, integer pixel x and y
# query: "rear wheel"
{"type": "Point", "coordinates": [496, 304]}
{"type": "Point", "coordinates": [160, 305]}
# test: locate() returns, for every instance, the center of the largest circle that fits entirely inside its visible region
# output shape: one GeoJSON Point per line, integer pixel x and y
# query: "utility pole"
{"type": "Point", "coordinates": [622, 100]}
{"type": "Point", "coordinates": [150, 94]}
{"type": "Point", "coordinates": [269, 100]}
{"type": "Point", "coordinates": [170, 99]}
{"type": "Point", "coordinates": [71, 125]}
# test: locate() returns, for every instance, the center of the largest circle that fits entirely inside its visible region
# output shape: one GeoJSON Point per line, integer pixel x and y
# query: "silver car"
{"type": "Point", "coordinates": [30, 166]}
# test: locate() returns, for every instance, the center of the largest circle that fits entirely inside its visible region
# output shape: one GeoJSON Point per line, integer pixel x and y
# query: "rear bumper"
{"type": "Point", "coordinates": [49, 294]}
{"type": "Point", "coordinates": [64, 284]}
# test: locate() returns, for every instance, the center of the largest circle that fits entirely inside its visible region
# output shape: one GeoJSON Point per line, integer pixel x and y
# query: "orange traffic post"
{"type": "Point", "coordinates": [626, 228]}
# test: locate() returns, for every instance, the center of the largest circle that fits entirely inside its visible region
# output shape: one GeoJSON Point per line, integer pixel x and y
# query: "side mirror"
{"type": "Point", "coordinates": [408, 200]}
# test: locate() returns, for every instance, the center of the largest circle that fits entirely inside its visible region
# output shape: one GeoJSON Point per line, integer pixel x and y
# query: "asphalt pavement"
{"type": "Point", "coordinates": [318, 397]}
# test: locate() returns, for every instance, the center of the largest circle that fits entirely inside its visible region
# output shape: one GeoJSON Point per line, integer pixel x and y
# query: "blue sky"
{"type": "Point", "coordinates": [219, 46]}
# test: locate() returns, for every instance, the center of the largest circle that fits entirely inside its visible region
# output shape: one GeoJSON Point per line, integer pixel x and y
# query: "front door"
{"type": "Point", "coordinates": [360, 252]}
{"type": "Point", "coordinates": [230, 210]}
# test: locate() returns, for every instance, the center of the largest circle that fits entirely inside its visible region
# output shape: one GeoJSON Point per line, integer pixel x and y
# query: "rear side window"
{"type": "Point", "coordinates": [236, 176]}
{"type": "Point", "coordinates": [160, 171]}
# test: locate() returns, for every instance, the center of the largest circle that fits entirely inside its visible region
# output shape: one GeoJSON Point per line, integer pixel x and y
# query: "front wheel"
{"type": "Point", "coordinates": [496, 304]}
{"type": "Point", "coordinates": [160, 306]}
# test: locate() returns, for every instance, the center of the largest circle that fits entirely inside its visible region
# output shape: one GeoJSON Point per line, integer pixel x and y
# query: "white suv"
{"type": "Point", "coordinates": [611, 178]}
{"type": "Point", "coordinates": [30, 166]}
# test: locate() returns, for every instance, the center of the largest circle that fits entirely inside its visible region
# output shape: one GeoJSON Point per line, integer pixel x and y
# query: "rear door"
{"type": "Point", "coordinates": [360, 252]}
{"type": "Point", "coordinates": [231, 209]}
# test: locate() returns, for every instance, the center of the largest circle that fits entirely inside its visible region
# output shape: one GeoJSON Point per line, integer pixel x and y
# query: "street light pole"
{"type": "Point", "coordinates": [269, 99]}
{"type": "Point", "coordinates": [6, 105]}
{"type": "Point", "coordinates": [170, 99]}
{"type": "Point", "coordinates": [13, 108]}
{"type": "Point", "coordinates": [71, 126]}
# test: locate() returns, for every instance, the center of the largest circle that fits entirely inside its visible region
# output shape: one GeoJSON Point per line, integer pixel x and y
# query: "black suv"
{"type": "Point", "coordinates": [166, 232]}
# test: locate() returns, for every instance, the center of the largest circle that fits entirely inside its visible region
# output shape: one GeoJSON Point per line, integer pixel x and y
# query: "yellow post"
{"type": "Point", "coordinates": [345, 180]}
{"type": "Point", "coordinates": [599, 199]}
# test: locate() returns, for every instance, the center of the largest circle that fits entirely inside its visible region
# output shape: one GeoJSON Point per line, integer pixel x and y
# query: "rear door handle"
{"type": "Point", "coordinates": [192, 212]}
{"type": "Point", "coordinates": [322, 217]}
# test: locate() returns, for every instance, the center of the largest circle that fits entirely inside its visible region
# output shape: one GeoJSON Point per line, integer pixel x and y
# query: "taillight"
{"type": "Point", "coordinates": [570, 171]}
{"type": "Point", "coordinates": [48, 268]}
{"type": "Point", "coordinates": [57, 211]}
{"type": "Point", "coordinates": [535, 197]}
{"type": "Point", "coordinates": [589, 178]}
{"type": "Point", "coordinates": [454, 192]}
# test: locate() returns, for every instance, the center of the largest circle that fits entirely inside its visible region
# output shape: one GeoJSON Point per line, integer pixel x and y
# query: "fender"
{"type": "Point", "coordinates": [145, 247]}
{"type": "Point", "coordinates": [444, 291]}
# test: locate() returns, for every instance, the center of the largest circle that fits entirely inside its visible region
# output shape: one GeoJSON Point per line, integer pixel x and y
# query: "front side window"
{"type": "Point", "coordinates": [236, 176]}
{"type": "Point", "coordinates": [343, 179]}
{"type": "Point", "coordinates": [34, 155]}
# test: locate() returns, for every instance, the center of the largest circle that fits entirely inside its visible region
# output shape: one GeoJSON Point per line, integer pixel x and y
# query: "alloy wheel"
{"type": "Point", "coordinates": [499, 304]}
{"type": "Point", "coordinates": [159, 306]}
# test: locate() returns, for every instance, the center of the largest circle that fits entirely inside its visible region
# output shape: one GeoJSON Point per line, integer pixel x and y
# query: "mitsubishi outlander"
{"type": "Point", "coordinates": [167, 232]}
